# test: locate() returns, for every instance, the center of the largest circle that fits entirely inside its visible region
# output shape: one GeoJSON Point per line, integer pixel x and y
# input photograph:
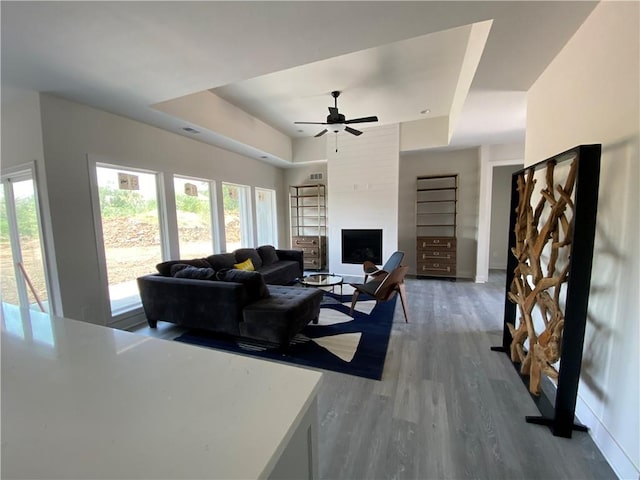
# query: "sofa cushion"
{"type": "Point", "coordinates": [246, 265]}
{"type": "Point", "coordinates": [281, 316]}
{"type": "Point", "coordinates": [164, 268]}
{"type": "Point", "coordinates": [281, 273]}
{"type": "Point", "coordinates": [182, 270]}
{"type": "Point", "coordinates": [253, 282]}
{"type": "Point", "coordinates": [221, 261]}
{"type": "Point", "coordinates": [243, 253]}
{"type": "Point", "coordinates": [268, 255]}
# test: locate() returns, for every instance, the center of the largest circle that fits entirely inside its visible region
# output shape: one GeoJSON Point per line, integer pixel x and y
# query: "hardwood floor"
{"type": "Point", "coordinates": [447, 406]}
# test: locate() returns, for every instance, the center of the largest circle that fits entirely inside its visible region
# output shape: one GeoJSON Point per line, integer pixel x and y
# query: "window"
{"type": "Point", "coordinates": [130, 229]}
{"type": "Point", "coordinates": [266, 220]}
{"type": "Point", "coordinates": [237, 216]}
{"type": "Point", "coordinates": [23, 275]}
{"type": "Point", "coordinates": [193, 211]}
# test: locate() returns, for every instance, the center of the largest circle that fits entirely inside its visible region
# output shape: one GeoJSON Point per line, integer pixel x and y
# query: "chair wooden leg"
{"type": "Point", "coordinates": [403, 299]}
{"type": "Point", "coordinates": [366, 275]}
{"type": "Point", "coordinates": [353, 302]}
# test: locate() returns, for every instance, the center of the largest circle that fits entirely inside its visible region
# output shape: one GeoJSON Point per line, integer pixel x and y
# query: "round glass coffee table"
{"type": "Point", "coordinates": [323, 280]}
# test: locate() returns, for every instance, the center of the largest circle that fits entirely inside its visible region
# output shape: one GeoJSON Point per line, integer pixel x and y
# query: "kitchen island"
{"type": "Point", "coordinates": [86, 401]}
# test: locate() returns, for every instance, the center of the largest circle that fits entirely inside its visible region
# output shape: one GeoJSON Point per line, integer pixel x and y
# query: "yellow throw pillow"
{"type": "Point", "coordinates": [246, 265]}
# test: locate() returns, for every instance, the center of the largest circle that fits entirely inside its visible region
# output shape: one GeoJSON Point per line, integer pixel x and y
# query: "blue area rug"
{"type": "Point", "coordinates": [353, 345]}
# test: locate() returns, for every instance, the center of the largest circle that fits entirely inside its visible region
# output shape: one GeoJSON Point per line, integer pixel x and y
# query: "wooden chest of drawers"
{"type": "Point", "coordinates": [314, 248]}
{"type": "Point", "coordinates": [436, 256]}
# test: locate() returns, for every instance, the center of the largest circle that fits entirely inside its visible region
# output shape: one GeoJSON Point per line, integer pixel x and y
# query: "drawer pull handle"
{"type": "Point", "coordinates": [436, 265]}
{"type": "Point", "coordinates": [435, 240]}
{"type": "Point", "coordinates": [435, 254]}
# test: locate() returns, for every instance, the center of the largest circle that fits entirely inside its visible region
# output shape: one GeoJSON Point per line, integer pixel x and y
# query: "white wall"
{"type": "Point", "coordinates": [21, 145]}
{"type": "Point", "coordinates": [70, 132]}
{"type": "Point", "coordinates": [21, 129]}
{"type": "Point", "coordinates": [590, 94]}
{"type": "Point", "coordinates": [363, 190]}
{"type": "Point", "coordinates": [309, 149]}
{"type": "Point", "coordinates": [500, 202]}
{"type": "Point", "coordinates": [491, 157]}
{"type": "Point", "coordinates": [208, 110]}
{"type": "Point", "coordinates": [461, 162]}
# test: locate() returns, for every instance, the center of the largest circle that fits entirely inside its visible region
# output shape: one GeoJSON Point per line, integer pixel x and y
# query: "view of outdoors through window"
{"type": "Point", "coordinates": [193, 209]}
{"type": "Point", "coordinates": [236, 216]}
{"type": "Point", "coordinates": [131, 231]}
{"type": "Point", "coordinates": [266, 216]}
{"type": "Point", "coordinates": [18, 200]}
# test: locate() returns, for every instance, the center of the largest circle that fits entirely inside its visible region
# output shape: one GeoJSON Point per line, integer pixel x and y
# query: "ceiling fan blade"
{"type": "Point", "coordinates": [321, 133]}
{"type": "Point", "coordinates": [352, 131]}
{"type": "Point", "coordinates": [362, 120]}
{"type": "Point", "coordinates": [311, 123]}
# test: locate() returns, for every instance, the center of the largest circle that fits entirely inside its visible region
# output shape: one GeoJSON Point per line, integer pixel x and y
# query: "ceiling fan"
{"type": "Point", "coordinates": [336, 122]}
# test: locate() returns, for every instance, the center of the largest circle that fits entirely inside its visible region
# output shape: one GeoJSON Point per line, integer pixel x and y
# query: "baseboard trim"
{"type": "Point", "coordinates": [611, 450]}
{"type": "Point", "coordinates": [129, 322]}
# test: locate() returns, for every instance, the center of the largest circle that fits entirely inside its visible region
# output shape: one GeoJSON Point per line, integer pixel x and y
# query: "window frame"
{"type": "Point", "coordinates": [246, 216]}
{"type": "Point", "coordinates": [31, 171]}
{"type": "Point", "coordinates": [96, 161]}
{"type": "Point", "coordinates": [213, 210]}
{"type": "Point", "coordinates": [274, 218]}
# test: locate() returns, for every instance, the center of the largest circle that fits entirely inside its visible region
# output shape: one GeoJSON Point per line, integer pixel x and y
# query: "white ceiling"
{"type": "Point", "coordinates": [394, 81]}
{"type": "Point", "coordinates": [124, 57]}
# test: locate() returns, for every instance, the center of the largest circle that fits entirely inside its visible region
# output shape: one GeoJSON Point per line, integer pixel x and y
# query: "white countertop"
{"type": "Point", "coordinates": [84, 401]}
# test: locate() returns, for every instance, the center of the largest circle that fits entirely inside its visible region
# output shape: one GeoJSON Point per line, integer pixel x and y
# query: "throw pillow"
{"type": "Point", "coordinates": [243, 253]}
{"type": "Point", "coordinates": [195, 273]}
{"type": "Point", "coordinates": [246, 265]}
{"type": "Point", "coordinates": [253, 283]}
{"type": "Point", "coordinates": [268, 255]}
{"type": "Point", "coordinates": [165, 267]}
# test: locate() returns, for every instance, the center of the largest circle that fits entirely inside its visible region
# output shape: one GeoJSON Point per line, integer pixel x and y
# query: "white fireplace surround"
{"type": "Point", "coordinates": [362, 191]}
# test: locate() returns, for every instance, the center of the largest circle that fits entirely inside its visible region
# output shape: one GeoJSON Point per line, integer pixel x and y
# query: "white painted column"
{"type": "Point", "coordinates": [484, 216]}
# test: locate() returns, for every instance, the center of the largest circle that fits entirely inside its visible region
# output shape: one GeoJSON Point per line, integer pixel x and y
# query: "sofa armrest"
{"type": "Point", "coordinates": [294, 255]}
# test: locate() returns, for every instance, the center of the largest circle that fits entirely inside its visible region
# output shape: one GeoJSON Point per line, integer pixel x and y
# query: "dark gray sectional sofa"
{"type": "Point", "coordinates": [209, 294]}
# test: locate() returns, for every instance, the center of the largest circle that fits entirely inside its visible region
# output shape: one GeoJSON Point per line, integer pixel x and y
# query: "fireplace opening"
{"type": "Point", "coordinates": [361, 245]}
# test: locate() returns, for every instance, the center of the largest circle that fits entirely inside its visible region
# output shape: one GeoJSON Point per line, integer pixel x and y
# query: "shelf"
{"type": "Point", "coordinates": [308, 223]}
{"type": "Point", "coordinates": [442, 192]}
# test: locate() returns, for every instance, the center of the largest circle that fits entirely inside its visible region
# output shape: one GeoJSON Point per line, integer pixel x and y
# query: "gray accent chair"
{"type": "Point", "coordinates": [371, 270]}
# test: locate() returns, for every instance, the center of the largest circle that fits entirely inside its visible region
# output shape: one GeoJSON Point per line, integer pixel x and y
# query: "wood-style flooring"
{"type": "Point", "coordinates": [447, 406]}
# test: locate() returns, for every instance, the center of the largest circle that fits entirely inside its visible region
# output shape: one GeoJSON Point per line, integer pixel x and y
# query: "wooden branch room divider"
{"type": "Point", "coordinates": [551, 240]}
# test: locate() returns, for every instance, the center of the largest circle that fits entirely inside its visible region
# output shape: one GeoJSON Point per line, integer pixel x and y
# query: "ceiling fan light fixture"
{"type": "Point", "coordinates": [336, 127]}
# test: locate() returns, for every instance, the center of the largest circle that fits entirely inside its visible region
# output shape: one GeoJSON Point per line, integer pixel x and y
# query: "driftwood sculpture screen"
{"type": "Point", "coordinates": [552, 230]}
{"type": "Point", "coordinates": [536, 287]}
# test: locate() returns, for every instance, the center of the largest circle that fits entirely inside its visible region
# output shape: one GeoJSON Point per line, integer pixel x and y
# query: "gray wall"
{"type": "Point", "coordinates": [465, 163]}
{"type": "Point", "coordinates": [70, 132]}
{"type": "Point", "coordinates": [500, 200]}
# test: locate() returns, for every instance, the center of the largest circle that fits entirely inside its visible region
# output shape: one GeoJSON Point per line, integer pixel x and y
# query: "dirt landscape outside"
{"type": "Point", "coordinates": [131, 241]}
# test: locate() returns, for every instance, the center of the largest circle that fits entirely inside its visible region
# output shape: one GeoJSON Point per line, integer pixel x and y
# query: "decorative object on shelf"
{"type": "Point", "coordinates": [551, 238]}
{"type": "Point", "coordinates": [308, 221]}
{"type": "Point", "coordinates": [436, 212]}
